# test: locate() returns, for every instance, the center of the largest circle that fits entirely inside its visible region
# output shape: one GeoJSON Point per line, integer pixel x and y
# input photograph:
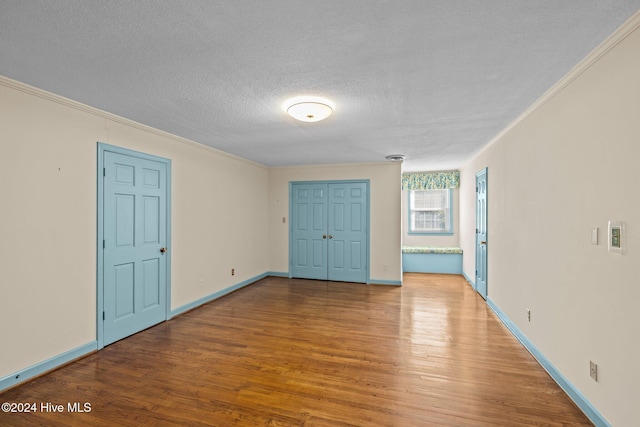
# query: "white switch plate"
{"type": "Point", "coordinates": [616, 237]}
{"type": "Point", "coordinates": [594, 236]}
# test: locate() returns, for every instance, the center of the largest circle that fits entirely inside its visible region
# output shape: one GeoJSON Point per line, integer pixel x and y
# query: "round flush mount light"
{"type": "Point", "coordinates": [396, 157]}
{"type": "Point", "coordinates": [309, 109]}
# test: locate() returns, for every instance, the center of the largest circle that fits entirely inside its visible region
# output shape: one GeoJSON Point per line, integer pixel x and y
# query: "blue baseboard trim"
{"type": "Point", "coordinates": [216, 295]}
{"type": "Point", "coordinates": [278, 274]}
{"type": "Point", "coordinates": [589, 410]}
{"type": "Point", "coordinates": [385, 282]}
{"type": "Point", "coordinates": [48, 365]}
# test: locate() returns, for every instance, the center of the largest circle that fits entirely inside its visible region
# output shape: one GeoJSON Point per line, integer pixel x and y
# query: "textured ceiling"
{"type": "Point", "coordinates": [434, 80]}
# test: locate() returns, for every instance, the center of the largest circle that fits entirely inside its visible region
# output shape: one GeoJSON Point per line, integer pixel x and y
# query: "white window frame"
{"type": "Point", "coordinates": [447, 212]}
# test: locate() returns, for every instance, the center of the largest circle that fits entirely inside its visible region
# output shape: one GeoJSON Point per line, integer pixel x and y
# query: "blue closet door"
{"type": "Point", "coordinates": [309, 231]}
{"type": "Point", "coordinates": [329, 231]}
{"type": "Point", "coordinates": [135, 239]}
{"type": "Point", "coordinates": [347, 228]}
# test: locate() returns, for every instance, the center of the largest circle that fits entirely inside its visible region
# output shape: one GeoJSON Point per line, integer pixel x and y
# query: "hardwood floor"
{"type": "Point", "coordinates": [299, 352]}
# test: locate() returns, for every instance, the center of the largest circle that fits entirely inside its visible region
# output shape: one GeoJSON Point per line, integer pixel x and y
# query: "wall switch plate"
{"type": "Point", "coordinates": [528, 315]}
{"type": "Point", "coordinates": [593, 371]}
{"type": "Point", "coordinates": [594, 236]}
{"type": "Point", "coordinates": [617, 238]}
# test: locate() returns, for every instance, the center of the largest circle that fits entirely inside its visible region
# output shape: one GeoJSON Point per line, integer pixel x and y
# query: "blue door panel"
{"type": "Point", "coordinates": [124, 215]}
{"type": "Point", "coordinates": [355, 255]}
{"type": "Point", "coordinates": [318, 255]}
{"type": "Point", "coordinates": [151, 219]}
{"type": "Point", "coordinates": [338, 254]}
{"type": "Point", "coordinates": [124, 292]}
{"type": "Point", "coordinates": [151, 272]}
{"type": "Point", "coordinates": [318, 216]}
{"type": "Point", "coordinates": [356, 217]}
{"type": "Point", "coordinates": [338, 217]}
{"type": "Point", "coordinates": [301, 252]}
{"type": "Point", "coordinates": [302, 215]}
{"type": "Point", "coordinates": [151, 178]}
{"type": "Point", "coordinates": [124, 174]}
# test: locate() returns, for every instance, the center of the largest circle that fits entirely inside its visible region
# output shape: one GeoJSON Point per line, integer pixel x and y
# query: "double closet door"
{"type": "Point", "coordinates": [329, 230]}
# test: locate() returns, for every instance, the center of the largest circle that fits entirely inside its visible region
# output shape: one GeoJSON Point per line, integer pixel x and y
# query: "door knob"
{"type": "Point", "coordinates": [324, 236]}
{"type": "Point", "coordinates": [483, 243]}
{"type": "Point", "coordinates": [163, 250]}
{"type": "Point", "coordinates": [330, 236]}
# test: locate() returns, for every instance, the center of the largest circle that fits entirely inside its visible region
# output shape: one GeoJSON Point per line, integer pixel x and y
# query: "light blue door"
{"type": "Point", "coordinates": [134, 244]}
{"type": "Point", "coordinates": [309, 231]}
{"type": "Point", "coordinates": [481, 233]}
{"type": "Point", "coordinates": [347, 229]}
{"type": "Point", "coordinates": [329, 232]}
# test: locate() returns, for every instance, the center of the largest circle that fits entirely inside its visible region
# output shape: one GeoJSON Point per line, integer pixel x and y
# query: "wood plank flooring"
{"type": "Point", "coordinates": [287, 352]}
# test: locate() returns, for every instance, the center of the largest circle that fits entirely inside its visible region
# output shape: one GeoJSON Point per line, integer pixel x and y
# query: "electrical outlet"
{"type": "Point", "coordinates": [593, 371]}
{"type": "Point", "coordinates": [528, 315]}
{"type": "Point", "coordinates": [233, 271]}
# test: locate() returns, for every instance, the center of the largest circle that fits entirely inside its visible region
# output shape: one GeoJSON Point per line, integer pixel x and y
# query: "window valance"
{"type": "Point", "coordinates": [431, 180]}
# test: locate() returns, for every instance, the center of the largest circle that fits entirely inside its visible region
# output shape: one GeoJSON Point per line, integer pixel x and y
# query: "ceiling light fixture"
{"type": "Point", "coordinates": [396, 157]}
{"type": "Point", "coordinates": [309, 109]}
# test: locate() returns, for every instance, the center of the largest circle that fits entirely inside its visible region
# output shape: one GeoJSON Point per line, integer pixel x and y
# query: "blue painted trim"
{"type": "Point", "coordinates": [102, 147]}
{"type": "Point", "coordinates": [410, 232]}
{"type": "Point", "coordinates": [589, 410]}
{"type": "Point", "coordinates": [385, 282]}
{"type": "Point", "coordinates": [432, 263]}
{"type": "Point", "coordinates": [169, 253]}
{"type": "Point", "coordinates": [47, 365]}
{"type": "Point", "coordinates": [368, 231]}
{"type": "Point", "coordinates": [100, 250]}
{"type": "Point", "coordinates": [216, 295]}
{"type": "Point", "coordinates": [278, 273]}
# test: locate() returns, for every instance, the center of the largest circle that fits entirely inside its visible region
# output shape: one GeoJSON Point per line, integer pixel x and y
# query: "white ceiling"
{"type": "Point", "coordinates": [435, 80]}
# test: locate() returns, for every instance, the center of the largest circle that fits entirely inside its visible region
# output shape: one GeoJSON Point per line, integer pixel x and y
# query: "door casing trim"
{"type": "Point", "coordinates": [102, 148]}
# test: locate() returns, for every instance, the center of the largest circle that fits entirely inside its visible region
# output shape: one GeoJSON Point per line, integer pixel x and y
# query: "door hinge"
{"type": "Point", "coordinates": [104, 245]}
{"type": "Point", "coordinates": [104, 171]}
{"type": "Point", "coordinates": [103, 316]}
{"type": "Point", "coordinates": [476, 189]}
{"type": "Point", "coordinates": [476, 273]}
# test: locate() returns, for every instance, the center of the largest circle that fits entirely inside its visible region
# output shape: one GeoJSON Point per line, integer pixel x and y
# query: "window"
{"type": "Point", "coordinates": [430, 211]}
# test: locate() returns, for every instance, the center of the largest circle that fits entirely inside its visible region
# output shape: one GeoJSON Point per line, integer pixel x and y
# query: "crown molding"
{"type": "Point", "coordinates": [43, 94]}
{"type": "Point", "coordinates": [618, 36]}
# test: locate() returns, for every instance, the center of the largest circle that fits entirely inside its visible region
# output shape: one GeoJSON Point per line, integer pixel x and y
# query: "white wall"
{"type": "Point", "coordinates": [568, 166]}
{"type": "Point", "coordinates": [385, 227]}
{"type": "Point", "coordinates": [427, 240]}
{"type": "Point", "coordinates": [48, 152]}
